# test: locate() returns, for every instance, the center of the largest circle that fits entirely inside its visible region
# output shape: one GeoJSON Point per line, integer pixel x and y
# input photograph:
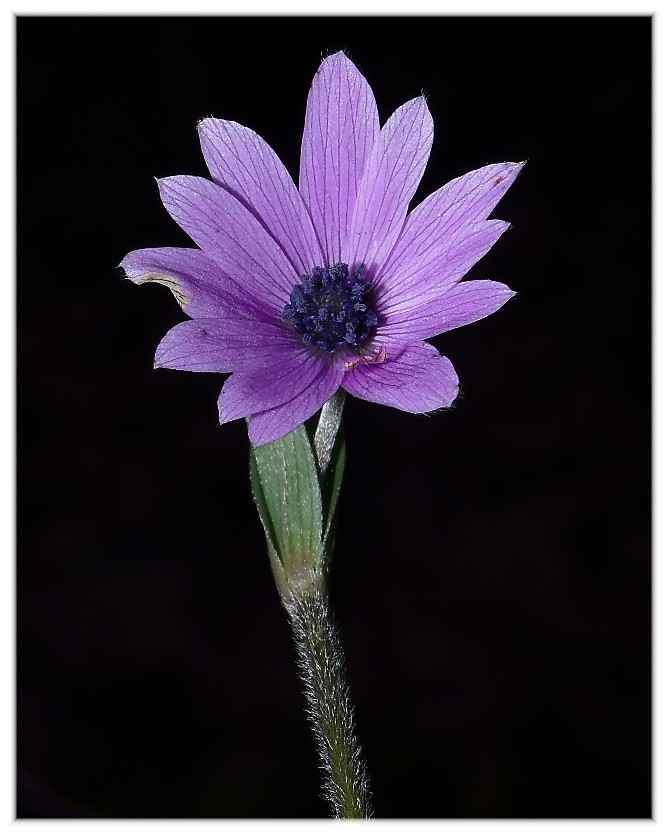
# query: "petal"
{"type": "Point", "coordinates": [230, 235]}
{"type": "Point", "coordinates": [266, 426]}
{"type": "Point", "coordinates": [463, 304]}
{"type": "Point", "coordinates": [441, 218]}
{"type": "Point", "coordinates": [436, 272]}
{"type": "Point", "coordinates": [247, 392]}
{"type": "Point", "coordinates": [221, 346]}
{"type": "Point", "coordinates": [341, 127]}
{"type": "Point", "coordinates": [243, 163]}
{"type": "Point", "coordinates": [393, 171]}
{"type": "Point", "coordinates": [417, 380]}
{"type": "Point", "coordinates": [199, 285]}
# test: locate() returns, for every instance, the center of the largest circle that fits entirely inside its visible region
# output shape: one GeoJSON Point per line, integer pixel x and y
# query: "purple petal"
{"type": "Point", "coordinates": [248, 392]}
{"type": "Point", "coordinates": [277, 422]}
{"type": "Point", "coordinates": [221, 346]}
{"type": "Point", "coordinates": [435, 272]}
{"type": "Point", "coordinates": [436, 223]}
{"type": "Point", "coordinates": [393, 171]}
{"type": "Point", "coordinates": [199, 285]}
{"type": "Point", "coordinates": [231, 235]}
{"type": "Point", "coordinates": [417, 380]}
{"type": "Point", "coordinates": [463, 304]}
{"type": "Point", "coordinates": [341, 127]}
{"type": "Point", "coordinates": [243, 163]}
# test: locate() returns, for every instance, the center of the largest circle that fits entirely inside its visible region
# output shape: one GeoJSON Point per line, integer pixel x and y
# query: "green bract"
{"type": "Point", "coordinates": [296, 499]}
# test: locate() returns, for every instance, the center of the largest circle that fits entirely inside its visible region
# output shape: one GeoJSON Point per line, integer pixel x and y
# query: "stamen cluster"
{"type": "Point", "coordinates": [329, 308]}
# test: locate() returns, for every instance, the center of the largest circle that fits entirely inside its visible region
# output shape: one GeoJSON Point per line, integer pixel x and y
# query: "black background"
{"type": "Point", "coordinates": [492, 574]}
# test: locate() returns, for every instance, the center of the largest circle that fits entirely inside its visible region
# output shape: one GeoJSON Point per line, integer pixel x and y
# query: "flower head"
{"type": "Point", "coordinates": [300, 291]}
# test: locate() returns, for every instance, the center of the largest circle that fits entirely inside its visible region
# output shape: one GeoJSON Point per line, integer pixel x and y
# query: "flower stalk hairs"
{"type": "Point", "coordinates": [304, 295]}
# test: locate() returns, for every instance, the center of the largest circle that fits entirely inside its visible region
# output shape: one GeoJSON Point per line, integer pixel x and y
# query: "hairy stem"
{"type": "Point", "coordinates": [330, 712]}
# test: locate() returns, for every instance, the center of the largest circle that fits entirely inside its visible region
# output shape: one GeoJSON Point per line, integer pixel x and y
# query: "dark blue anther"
{"type": "Point", "coordinates": [330, 308]}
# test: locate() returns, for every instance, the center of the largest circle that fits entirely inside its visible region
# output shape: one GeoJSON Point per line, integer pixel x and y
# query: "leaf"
{"type": "Point", "coordinates": [331, 483]}
{"type": "Point", "coordinates": [262, 507]}
{"type": "Point", "coordinates": [327, 430]}
{"type": "Point", "coordinates": [288, 498]}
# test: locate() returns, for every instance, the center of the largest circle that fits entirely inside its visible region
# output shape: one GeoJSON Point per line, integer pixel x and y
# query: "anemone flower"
{"type": "Point", "coordinates": [299, 292]}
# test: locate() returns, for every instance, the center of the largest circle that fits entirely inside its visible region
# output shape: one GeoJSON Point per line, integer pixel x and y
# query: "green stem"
{"type": "Point", "coordinates": [330, 712]}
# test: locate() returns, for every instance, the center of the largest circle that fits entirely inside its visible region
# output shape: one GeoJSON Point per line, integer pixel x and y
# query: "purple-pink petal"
{"type": "Point", "coordinates": [440, 220]}
{"type": "Point", "coordinates": [463, 304]}
{"type": "Point", "coordinates": [224, 345]}
{"type": "Point", "coordinates": [258, 233]}
{"type": "Point", "coordinates": [199, 285]}
{"type": "Point", "coordinates": [437, 269]}
{"type": "Point", "coordinates": [230, 235]}
{"type": "Point", "coordinates": [266, 426]}
{"type": "Point", "coordinates": [341, 127]}
{"type": "Point", "coordinates": [247, 392]}
{"type": "Point", "coordinates": [248, 167]}
{"type": "Point", "coordinates": [416, 379]}
{"type": "Point", "coordinates": [393, 172]}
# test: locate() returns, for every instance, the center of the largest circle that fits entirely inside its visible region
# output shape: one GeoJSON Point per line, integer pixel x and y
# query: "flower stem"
{"type": "Point", "coordinates": [330, 712]}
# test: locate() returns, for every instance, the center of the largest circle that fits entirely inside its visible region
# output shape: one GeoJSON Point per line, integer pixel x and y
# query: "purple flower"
{"type": "Point", "coordinates": [298, 292]}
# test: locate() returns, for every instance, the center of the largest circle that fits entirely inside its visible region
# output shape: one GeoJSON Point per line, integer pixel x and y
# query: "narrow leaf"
{"type": "Point", "coordinates": [290, 499]}
{"type": "Point", "coordinates": [331, 483]}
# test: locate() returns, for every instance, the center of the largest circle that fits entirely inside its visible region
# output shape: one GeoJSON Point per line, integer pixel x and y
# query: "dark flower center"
{"type": "Point", "coordinates": [329, 308]}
